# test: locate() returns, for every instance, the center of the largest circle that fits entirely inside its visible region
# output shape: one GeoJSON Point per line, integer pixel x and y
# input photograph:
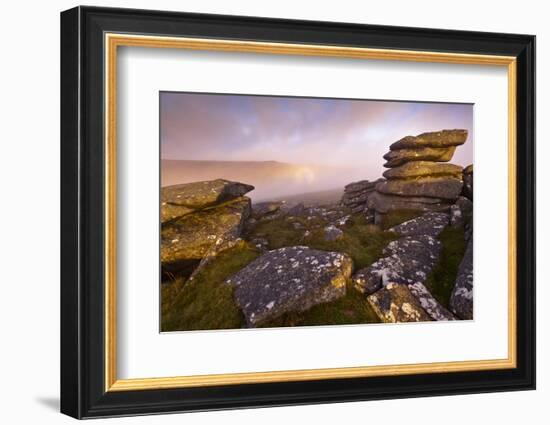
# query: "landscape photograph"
{"type": "Point", "coordinates": [280, 211]}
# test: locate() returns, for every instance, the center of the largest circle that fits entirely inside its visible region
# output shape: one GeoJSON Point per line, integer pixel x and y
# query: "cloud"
{"type": "Point", "coordinates": [334, 132]}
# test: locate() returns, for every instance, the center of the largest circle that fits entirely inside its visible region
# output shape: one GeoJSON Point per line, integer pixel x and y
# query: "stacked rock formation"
{"type": "Point", "coordinates": [419, 177]}
{"type": "Point", "coordinates": [356, 195]}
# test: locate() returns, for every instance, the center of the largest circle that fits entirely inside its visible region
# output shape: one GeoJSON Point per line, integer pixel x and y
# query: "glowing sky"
{"type": "Point", "coordinates": [317, 131]}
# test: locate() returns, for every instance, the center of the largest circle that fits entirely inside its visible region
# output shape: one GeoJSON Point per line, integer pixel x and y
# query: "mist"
{"type": "Point", "coordinates": [288, 146]}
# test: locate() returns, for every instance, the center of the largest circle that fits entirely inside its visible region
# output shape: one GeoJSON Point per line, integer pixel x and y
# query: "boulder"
{"type": "Point", "coordinates": [333, 233]}
{"type": "Point", "coordinates": [431, 223]}
{"type": "Point", "coordinates": [422, 169]}
{"type": "Point", "coordinates": [291, 279]}
{"type": "Point", "coordinates": [435, 310]}
{"type": "Point", "coordinates": [265, 209]}
{"type": "Point", "coordinates": [193, 235]}
{"type": "Point", "coordinates": [461, 212]}
{"type": "Point", "coordinates": [182, 199]}
{"type": "Point", "coordinates": [462, 297]}
{"type": "Point", "coordinates": [383, 203]}
{"type": "Point", "coordinates": [296, 211]}
{"type": "Point", "coordinates": [468, 177]}
{"type": "Point", "coordinates": [436, 139]}
{"type": "Point", "coordinates": [445, 187]}
{"type": "Point", "coordinates": [395, 303]}
{"type": "Point", "coordinates": [400, 157]}
{"type": "Point", "coordinates": [406, 260]}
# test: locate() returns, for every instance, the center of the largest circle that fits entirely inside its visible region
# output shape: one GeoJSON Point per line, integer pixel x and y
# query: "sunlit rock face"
{"type": "Point", "coordinates": [182, 199]}
{"type": "Point", "coordinates": [192, 235]}
{"type": "Point", "coordinates": [199, 220]}
{"type": "Point", "coordinates": [291, 279]}
{"type": "Point", "coordinates": [418, 177]}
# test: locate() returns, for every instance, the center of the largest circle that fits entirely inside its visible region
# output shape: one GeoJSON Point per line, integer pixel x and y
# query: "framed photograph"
{"type": "Point", "coordinates": [261, 212]}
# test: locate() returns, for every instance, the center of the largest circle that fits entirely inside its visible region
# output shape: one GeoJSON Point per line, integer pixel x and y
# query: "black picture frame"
{"type": "Point", "coordinates": [83, 392]}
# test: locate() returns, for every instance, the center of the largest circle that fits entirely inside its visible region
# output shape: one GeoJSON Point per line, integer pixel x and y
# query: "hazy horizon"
{"type": "Point", "coordinates": [328, 142]}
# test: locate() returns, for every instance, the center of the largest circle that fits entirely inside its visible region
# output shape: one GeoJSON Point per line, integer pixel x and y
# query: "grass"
{"type": "Point", "coordinates": [393, 218]}
{"type": "Point", "coordinates": [206, 302]}
{"type": "Point", "coordinates": [361, 241]}
{"type": "Point", "coordinates": [441, 280]}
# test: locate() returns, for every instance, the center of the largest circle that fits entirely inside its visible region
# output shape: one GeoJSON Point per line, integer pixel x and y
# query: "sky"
{"type": "Point", "coordinates": [310, 131]}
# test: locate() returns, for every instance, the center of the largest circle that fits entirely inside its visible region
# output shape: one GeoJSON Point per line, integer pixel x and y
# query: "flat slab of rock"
{"type": "Point", "coordinates": [406, 260]}
{"type": "Point", "coordinates": [396, 304]}
{"type": "Point", "coordinates": [436, 139]}
{"type": "Point", "coordinates": [444, 187]}
{"type": "Point", "coordinates": [401, 156]}
{"type": "Point", "coordinates": [383, 203]}
{"type": "Point", "coordinates": [422, 169]}
{"type": "Point", "coordinates": [181, 199]}
{"type": "Point", "coordinates": [431, 224]}
{"type": "Point", "coordinates": [359, 186]}
{"type": "Point", "coordinates": [193, 235]}
{"type": "Point", "coordinates": [291, 279]}
{"type": "Point", "coordinates": [462, 297]}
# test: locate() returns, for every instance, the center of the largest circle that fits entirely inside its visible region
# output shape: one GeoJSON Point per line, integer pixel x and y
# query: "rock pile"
{"type": "Point", "coordinates": [394, 284]}
{"type": "Point", "coordinates": [418, 177]}
{"type": "Point", "coordinates": [290, 279]}
{"type": "Point", "coordinates": [356, 195]}
{"type": "Point", "coordinates": [199, 220]}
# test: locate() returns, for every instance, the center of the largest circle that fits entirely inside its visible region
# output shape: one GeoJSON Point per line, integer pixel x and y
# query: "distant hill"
{"type": "Point", "coordinates": [271, 179]}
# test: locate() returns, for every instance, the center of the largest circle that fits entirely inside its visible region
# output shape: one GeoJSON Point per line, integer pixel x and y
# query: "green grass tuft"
{"type": "Point", "coordinates": [361, 241]}
{"type": "Point", "coordinates": [206, 302]}
{"type": "Point", "coordinates": [441, 280]}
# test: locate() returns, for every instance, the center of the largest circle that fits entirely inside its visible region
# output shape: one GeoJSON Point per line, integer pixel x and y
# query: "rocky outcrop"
{"type": "Point", "coordinates": [402, 156]}
{"type": "Point", "coordinates": [182, 199]}
{"type": "Point", "coordinates": [395, 303]}
{"type": "Point", "coordinates": [445, 188]}
{"type": "Point", "coordinates": [291, 279]}
{"type": "Point", "coordinates": [418, 177]}
{"type": "Point", "coordinates": [462, 297]}
{"type": "Point", "coordinates": [429, 224]}
{"type": "Point", "coordinates": [356, 195]}
{"type": "Point", "coordinates": [468, 177]}
{"type": "Point", "coordinates": [192, 235]}
{"type": "Point", "coordinates": [423, 168]}
{"type": "Point", "coordinates": [406, 261]}
{"type": "Point", "coordinates": [200, 220]}
{"type": "Point", "coordinates": [436, 139]}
